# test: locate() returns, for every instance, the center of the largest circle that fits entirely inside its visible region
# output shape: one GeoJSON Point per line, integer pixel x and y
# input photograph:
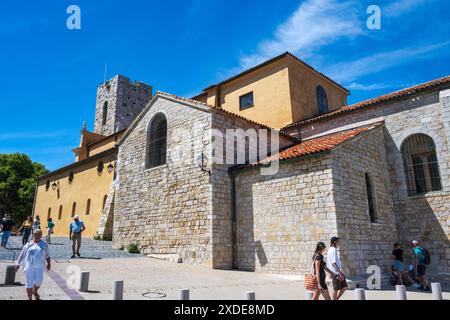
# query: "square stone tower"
{"type": "Point", "coordinates": [119, 101]}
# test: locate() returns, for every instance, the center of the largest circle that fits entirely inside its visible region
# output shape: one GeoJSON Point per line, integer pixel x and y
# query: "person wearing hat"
{"type": "Point", "coordinates": [334, 265]}
{"type": "Point", "coordinates": [76, 228]}
{"type": "Point", "coordinates": [34, 259]}
{"type": "Point", "coordinates": [419, 265]}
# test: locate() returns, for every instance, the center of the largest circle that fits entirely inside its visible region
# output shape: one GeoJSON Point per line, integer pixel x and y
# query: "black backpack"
{"type": "Point", "coordinates": [426, 256]}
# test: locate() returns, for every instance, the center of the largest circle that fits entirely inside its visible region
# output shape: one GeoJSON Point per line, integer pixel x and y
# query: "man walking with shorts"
{"type": "Point", "coordinates": [334, 264]}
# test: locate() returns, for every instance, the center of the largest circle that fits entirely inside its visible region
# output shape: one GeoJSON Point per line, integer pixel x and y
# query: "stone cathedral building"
{"type": "Point", "coordinates": [374, 173]}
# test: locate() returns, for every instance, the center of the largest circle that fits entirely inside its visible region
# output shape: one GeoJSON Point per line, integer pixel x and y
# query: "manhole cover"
{"type": "Point", "coordinates": [154, 295]}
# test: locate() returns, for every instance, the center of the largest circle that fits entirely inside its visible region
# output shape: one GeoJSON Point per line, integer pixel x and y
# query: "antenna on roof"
{"type": "Point", "coordinates": [106, 68]}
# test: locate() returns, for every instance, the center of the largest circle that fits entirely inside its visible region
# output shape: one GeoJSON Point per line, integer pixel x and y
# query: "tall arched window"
{"type": "Point", "coordinates": [74, 209]}
{"type": "Point", "coordinates": [370, 199]}
{"type": "Point", "coordinates": [49, 213]}
{"type": "Point", "coordinates": [420, 164]}
{"type": "Point", "coordinates": [156, 141]}
{"type": "Point", "coordinates": [88, 207]}
{"type": "Point", "coordinates": [60, 212]}
{"type": "Point", "coordinates": [105, 113]}
{"type": "Point", "coordinates": [322, 100]}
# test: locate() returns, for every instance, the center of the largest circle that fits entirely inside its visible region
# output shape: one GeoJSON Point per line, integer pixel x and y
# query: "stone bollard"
{"type": "Point", "coordinates": [183, 294]}
{"type": "Point", "coordinates": [309, 295]}
{"type": "Point", "coordinates": [10, 276]}
{"type": "Point", "coordinates": [250, 295]}
{"type": "Point", "coordinates": [84, 282]}
{"type": "Point", "coordinates": [360, 294]}
{"type": "Point", "coordinates": [401, 292]}
{"type": "Point", "coordinates": [118, 290]}
{"type": "Point", "coordinates": [437, 291]}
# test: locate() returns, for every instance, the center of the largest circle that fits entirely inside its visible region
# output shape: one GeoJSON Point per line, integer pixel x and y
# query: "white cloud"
{"type": "Point", "coordinates": [349, 71]}
{"type": "Point", "coordinates": [314, 24]}
{"type": "Point", "coordinates": [375, 86]}
{"type": "Point", "coordinates": [400, 7]}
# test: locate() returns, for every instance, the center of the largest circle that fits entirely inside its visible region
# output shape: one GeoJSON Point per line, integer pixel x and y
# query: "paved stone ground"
{"type": "Point", "coordinates": [61, 248]}
{"type": "Point", "coordinates": [147, 278]}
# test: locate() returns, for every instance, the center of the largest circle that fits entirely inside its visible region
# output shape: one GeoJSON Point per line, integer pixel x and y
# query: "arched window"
{"type": "Point", "coordinates": [100, 166]}
{"type": "Point", "coordinates": [104, 201]}
{"type": "Point", "coordinates": [420, 164]}
{"type": "Point", "coordinates": [370, 199]}
{"type": "Point", "coordinates": [49, 213]}
{"type": "Point", "coordinates": [88, 207]}
{"type": "Point", "coordinates": [60, 212]}
{"type": "Point", "coordinates": [47, 185]}
{"type": "Point", "coordinates": [322, 100]}
{"type": "Point", "coordinates": [156, 141]}
{"type": "Point", "coordinates": [74, 209]}
{"type": "Point", "coordinates": [105, 113]}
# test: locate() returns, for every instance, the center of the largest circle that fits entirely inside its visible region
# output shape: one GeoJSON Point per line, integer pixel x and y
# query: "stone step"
{"type": "Point", "coordinates": [166, 257]}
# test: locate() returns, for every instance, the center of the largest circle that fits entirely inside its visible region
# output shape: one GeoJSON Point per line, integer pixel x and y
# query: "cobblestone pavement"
{"type": "Point", "coordinates": [153, 279]}
{"type": "Point", "coordinates": [61, 248]}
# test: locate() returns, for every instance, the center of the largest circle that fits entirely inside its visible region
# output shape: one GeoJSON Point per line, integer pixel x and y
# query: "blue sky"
{"type": "Point", "coordinates": [49, 74]}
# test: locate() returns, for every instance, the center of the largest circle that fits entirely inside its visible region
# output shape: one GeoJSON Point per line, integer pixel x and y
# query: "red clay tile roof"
{"type": "Point", "coordinates": [313, 146]}
{"type": "Point", "coordinates": [265, 63]}
{"type": "Point", "coordinates": [226, 112]}
{"type": "Point", "coordinates": [375, 101]}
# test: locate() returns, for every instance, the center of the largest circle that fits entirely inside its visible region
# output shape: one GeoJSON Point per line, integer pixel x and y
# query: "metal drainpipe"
{"type": "Point", "coordinates": [233, 220]}
{"type": "Point", "coordinates": [217, 102]}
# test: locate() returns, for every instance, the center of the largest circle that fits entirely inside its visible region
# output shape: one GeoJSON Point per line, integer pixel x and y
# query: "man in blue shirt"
{"type": "Point", "coordinates": [419, 265]}
{"type": "Point", "coordinates": [76, 228]}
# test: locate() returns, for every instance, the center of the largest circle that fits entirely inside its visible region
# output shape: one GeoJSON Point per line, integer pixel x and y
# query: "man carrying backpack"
{"type": "Point", "coordinates": [421, 260]}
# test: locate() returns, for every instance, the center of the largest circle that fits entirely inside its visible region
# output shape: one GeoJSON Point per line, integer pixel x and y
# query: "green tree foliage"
{"type": "Point", "coordinates": [17, 184]}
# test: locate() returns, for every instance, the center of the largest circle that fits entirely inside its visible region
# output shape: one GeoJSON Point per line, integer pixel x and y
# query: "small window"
{"type": "Point", "coordinates": [88, 207]}
{"type": "Point", "coordinates": [70, 176]}
{"type": "Point", "coordinates": [60, 212]}
{"type": "Point", "coordinates": [47, 185]}
{"type": "Point", "coordinates": [100, 166]}
{"type": "Point", "coordinates": [104, 202]}
{"type": "Point", "coordinates": [322, 100]}
{"type": "Point", "coordinates": [74, 209]}
{"type": "Point", "coordinates": [370, 199]}
{"type": "Point", "coordinates": [49, 213]}
{"type": "Point", "coordinates": [105, 112]}
{"type": "Point", "coordinates": [246, 101]}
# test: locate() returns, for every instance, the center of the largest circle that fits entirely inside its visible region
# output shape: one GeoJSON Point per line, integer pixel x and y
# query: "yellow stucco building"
{"type": "Point", "coordinates": [278, 92]}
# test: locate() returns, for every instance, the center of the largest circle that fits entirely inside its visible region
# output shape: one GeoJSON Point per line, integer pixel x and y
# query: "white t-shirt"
{"type": "Point", "coordinates": [333, 257]}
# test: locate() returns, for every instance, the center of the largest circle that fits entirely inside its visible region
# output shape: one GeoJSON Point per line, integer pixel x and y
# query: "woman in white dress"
{"type": "Point", "coordinates": [33, 260]}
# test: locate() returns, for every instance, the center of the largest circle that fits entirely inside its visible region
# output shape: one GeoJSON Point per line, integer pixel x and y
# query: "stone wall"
{"type": "Point", "coordinates": [222, 185]}
{"type": "Point", "coordinates": [125, 101]}
{"type": "Point", "coordinates": [167, 209]}
{"type": "Point", "coordinates": [281, 218]}
{"type": "Point", "coordinates": [363, 243]}
{"type": "Point", "coordinates": [421, 217]}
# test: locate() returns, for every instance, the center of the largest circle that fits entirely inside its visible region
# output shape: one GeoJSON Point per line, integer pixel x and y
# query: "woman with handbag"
{"type": "Point", "coordinates": [320, 267]}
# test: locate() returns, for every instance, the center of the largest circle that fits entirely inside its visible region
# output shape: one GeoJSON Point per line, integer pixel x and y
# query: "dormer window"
{"type": "Point", "coordinates": [322, 100]}
{"type": "Point", "coordinates": [246, 101]}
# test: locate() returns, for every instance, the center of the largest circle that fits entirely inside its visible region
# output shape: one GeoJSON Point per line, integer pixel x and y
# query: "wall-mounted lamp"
{"type": "Point", "coordinates": [55, 186]}
{"type": "Point", "coordinates": [203, 163]}
{"type": "Point", "coordinates": [110, 168]}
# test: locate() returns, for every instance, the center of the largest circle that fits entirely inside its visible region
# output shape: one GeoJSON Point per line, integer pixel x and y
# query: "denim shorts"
{"type": "Point", "coordinates": [398, 266]}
